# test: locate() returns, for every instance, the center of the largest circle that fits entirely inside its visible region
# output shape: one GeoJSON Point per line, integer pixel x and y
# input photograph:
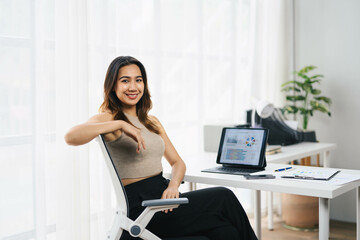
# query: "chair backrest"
{"type": "Point", "coordinates": [115, 178]}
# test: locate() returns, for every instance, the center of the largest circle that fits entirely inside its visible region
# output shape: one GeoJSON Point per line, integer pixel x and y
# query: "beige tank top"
{"type": "Point", "coordinates": [129, 163]}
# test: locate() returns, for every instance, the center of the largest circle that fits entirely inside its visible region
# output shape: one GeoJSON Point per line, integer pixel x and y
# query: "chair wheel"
{"type": "Point", "coordinates": [135, 230]}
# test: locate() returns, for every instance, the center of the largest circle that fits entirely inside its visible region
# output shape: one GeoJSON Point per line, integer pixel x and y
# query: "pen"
{"type": "Point", "coordinates": [282, 169]}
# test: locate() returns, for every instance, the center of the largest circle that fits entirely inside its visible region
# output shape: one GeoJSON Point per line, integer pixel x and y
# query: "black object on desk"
{"type": "Point", "coordinates": [262, 176]}
{"type": "Point", "coordinates": [279, 132]}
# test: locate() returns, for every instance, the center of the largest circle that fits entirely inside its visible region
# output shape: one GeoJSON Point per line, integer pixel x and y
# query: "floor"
{"type": "Point", "coordinates": [338, 231]}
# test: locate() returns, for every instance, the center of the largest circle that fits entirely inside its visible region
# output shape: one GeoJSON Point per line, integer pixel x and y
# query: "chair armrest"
{"type": "Point", "coordinates": [164, 202]}
{"type": "Point", "coordinates": [137, 229]}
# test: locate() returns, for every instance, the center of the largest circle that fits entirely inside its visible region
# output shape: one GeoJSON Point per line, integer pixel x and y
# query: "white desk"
{"type": "Point", "coordinates": [300, 150]}
{"type": "Point", "coordinates": [323, 191]}
{"type": "Point", "coordinates": [293, 152]}
{"type": "Point", "coordinates": [287, 154]}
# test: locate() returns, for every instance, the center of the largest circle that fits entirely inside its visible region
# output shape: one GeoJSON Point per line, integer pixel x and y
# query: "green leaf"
{"type": "Point", "coordinates": [318, 106]}
{"type": "Point", "coordinates": [317, 76]}
{"type": "Point", "coordinates": [314, 103]}
{"type": "Point", "coordinates": [292, 82]}
{"type": "Point", "coordinates": [314, 81]}
{"type": "Point", "coordinates": [303, 76]}
{"type": "Point", "coordinates": [307, 69]}
{"type": "Point", "coordinates": [303, 111]}
{"type": "Point", "coordinates": [290, 109]}
{"type": "Point", "coordinates": [307, 88]}
{"type": "Point", "coordinates": [288, 89]}
{"type": "Point", "coordinates": [315, 91]}
{"type": "Point", "coordinates": [295, 98]}
{"type": "Point", "coordinates": [323, 98]}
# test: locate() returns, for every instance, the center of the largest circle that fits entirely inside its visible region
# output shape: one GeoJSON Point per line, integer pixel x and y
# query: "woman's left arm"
{"type": "Point", "coordinates": [177, 165]}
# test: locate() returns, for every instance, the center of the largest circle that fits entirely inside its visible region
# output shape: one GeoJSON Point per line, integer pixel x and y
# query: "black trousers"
{"type": "Point", "coordinates": [213, 212]}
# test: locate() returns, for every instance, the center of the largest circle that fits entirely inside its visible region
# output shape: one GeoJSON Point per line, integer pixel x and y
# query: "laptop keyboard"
{"type": "Point", "coordinates": [230, 170]}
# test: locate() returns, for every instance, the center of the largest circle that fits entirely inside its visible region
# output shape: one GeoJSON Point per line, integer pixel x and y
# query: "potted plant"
{"type": "Point", "coordinates": [303, 97]}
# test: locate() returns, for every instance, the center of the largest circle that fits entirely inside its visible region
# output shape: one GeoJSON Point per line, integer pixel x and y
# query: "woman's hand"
{"type": "Point", "coordinates": [135, 134]}
{"type": "Point", "coordinates": [171, 191]}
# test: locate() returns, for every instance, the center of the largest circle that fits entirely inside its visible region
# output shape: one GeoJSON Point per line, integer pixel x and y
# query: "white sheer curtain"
{"type": "Point", "coordinates": [204, 62]}
{"type": "Point", "coordinates": [270, 57]}
{"type": "Point", "coordinates": [271, 49]}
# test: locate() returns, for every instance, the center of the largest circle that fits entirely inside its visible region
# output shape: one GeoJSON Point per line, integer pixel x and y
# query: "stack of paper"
{"type": "Point", "coordinates": [272, 149]}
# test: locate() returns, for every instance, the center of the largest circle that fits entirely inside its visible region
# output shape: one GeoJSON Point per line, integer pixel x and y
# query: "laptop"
{"type": "Point", "coordinates": [241, 151]}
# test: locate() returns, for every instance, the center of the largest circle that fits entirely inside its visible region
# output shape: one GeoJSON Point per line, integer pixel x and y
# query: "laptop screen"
{"type": "Point", "coordinates": [242, 147]}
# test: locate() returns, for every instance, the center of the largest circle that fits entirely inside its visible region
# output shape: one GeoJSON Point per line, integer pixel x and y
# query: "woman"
{"type": "Point", "coordinates": [137, 142]}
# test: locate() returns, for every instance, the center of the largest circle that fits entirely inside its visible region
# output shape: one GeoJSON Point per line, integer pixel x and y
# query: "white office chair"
{"type": "Point", "coordinates": [122, 222]}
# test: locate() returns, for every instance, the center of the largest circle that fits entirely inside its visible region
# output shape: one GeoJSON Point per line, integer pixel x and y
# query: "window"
{"type": "Point", "coordinates": [195, 53]}
{"type": "Point", "coordinates": [26, 179]}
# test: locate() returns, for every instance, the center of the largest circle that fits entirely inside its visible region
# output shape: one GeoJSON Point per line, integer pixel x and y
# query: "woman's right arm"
{"type": "Point", "coordinates": [101, 124]}
{"type": "Point", "coordinates": [96, 125]}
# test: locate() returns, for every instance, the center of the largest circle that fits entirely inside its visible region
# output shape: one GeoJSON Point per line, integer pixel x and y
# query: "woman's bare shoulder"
{"type": "Point", "coordinates": [154, 119]}
{"type": "Point", "coordinates": [157, 122]}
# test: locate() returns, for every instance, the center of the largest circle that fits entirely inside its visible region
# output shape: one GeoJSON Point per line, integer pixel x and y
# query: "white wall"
{"type": "Point", "coordinates": [327, 34]}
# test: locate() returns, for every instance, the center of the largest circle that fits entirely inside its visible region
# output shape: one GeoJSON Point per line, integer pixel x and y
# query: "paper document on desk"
{"type": "Point", "coordinates": [311, 173]}
{"type": "Point", "coordinates": [343, 178]}
{"type": "Point", "coordinates": [337, 180]}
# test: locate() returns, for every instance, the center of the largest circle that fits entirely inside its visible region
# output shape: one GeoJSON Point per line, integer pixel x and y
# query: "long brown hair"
{"type": "Point", "coordinates": [112, 102]}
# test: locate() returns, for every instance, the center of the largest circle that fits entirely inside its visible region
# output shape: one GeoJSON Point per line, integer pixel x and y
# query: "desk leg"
{"type": "Point", "coordinates": [270, 210]}
{"type": "Point", "coordinates": [358, 213]}
{"type": "Point", "coordinates": [192, 186]}
{"type": "Point", "coordinates": [257, 213]}
{"type": "Point", "coordinates": [324, 218]}
{"type": "Point", "coordinates": [327, 159]}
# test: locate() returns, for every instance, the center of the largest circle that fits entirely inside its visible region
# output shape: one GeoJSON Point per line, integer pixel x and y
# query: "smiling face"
{"type": "Point", "coordinates": [129, 86]}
